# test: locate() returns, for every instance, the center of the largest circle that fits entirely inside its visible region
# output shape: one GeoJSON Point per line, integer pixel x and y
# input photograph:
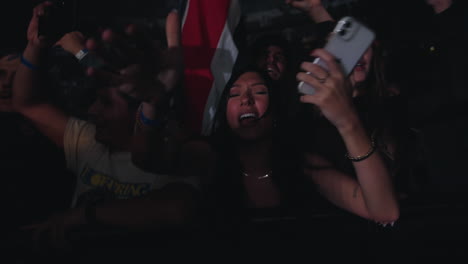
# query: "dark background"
{"type": "Point", "coordinates": [429, 226]}
{"type": "Point", "coordinates": [259, 15]}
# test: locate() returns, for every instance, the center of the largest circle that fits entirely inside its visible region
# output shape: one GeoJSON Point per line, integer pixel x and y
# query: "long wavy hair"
{"type": "Point", "coordinates": [375, 87]}
{"type": "Point", "coordinates": [228, 185]}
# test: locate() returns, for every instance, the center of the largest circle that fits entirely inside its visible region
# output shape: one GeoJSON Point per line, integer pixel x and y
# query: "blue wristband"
{"type": "Point", "coordinates": [28, 64]}
{"type": "Point", "coordinates": [149, 122]}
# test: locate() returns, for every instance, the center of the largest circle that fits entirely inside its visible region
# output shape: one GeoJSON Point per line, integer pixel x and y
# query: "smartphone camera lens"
{"type": "Point", "coordinates": [347, 24]}
{"type": "Point", "coordinates": [342, 32]}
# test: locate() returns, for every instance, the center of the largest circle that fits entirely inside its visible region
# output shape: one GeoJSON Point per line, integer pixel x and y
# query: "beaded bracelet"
{"type": "Point", "coordinates": [365, 156]}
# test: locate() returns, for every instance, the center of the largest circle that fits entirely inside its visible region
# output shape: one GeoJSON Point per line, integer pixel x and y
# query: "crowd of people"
{"type": "Point", "coordinates": [121, 165]}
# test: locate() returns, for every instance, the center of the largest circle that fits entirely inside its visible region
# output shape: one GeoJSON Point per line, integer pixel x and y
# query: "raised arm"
{"type": "Point", "coordinates": [158, 139]}
{"type": "Point", "coordinates": [439, 6]}
{"type": "Point", "coordinates": [314, 8]}
{"type": "Point", "coordinates": [27, 96]}
{"type": "Point", "coordinates": [372, 195]}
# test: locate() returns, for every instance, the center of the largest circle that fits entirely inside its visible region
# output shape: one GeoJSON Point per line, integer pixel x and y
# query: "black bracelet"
{"type": "Point", "coordinates": [365, 156]}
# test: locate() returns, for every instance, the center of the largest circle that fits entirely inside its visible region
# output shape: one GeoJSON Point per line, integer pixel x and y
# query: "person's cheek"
{"type": "Point", "coordinates": [262, 105]}
{"type": "Point", "coordinates": [230, 114]}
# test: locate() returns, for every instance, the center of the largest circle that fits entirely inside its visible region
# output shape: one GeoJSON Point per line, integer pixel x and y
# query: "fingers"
{"type": "Point", "coordinates": [112, 49]}
{"type": "Point", "coordinates": [325, 81]}
{"type": "Point", "coordinates": [315, 71]}
{"type": "Point", "coordinates": [158, 70]}
{"type": "Point", "coordinates": [309, 79]}
{"type": "Point", "coordinates": [72, 42]}
{"type": "Point", "coordinates": [76, 35]}
{"type": "Point", "coordinates": [104, 45]}
{"type": "Point", "coordinates": [33, 27]}
{"type": "Point", "coordinates": [40, 9]}
{"type": "Point", "coordinates": [333, 66]}
{"type": "Point", "coordinates": [314, 75]}
{"type": "Point", "coordinates": [91, 44]}
{"type": "Point", "coordinates": [132, 45]}
{"type": "Point", "coordinates": [173, 29]}
{"type": "Point", "coordinates": [309, 99]}
{"type": "Point", "coordinates": [79, 34]}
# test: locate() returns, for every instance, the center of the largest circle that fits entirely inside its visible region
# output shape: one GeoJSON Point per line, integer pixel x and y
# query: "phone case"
{"type": "Point", "coordinates": [348, 42]}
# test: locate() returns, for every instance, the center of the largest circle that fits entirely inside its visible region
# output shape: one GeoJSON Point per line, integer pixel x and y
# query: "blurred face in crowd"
{"type": "Point", "coordinates": [247, 107]}
{"type": "Point", "coordinates": [8, 66]}
{"type": "Point", "coordinates": [362, 68]}
{"type": "Point", "coordinates": [113, 117]}
{"type": "Point", "coordinates": [273, 61]}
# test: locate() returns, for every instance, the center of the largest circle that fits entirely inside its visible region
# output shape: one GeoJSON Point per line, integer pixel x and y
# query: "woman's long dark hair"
{"type": "Point", "coordinates": [228, 185]}
{"type": "Point", "coordinates": [375, 87]}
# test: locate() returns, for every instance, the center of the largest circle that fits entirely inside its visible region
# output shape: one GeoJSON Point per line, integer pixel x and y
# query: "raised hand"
{"type": "Point", "coordinates": [141, 68]}
{"type": "Point", "coordinates": [314, 8]}
{"type": "Point", "coordinates": [33, 28]}
{"type": "Point", "coordinates": [72, 42]}
{"type": "Point", "coordinates": [304, 5]}
{"type": "Point", "coordinates": [333, 90]}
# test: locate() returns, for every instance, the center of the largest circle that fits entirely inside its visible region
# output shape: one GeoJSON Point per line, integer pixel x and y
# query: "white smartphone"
{"type": "Point", "coordinates": [348, 42]}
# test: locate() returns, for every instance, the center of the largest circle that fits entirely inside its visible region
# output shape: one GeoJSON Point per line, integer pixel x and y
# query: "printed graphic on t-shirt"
{"type": "Point", "coordinates": [103, 187]}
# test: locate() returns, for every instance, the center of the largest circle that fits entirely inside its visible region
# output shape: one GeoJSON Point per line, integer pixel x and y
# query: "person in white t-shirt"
{"type": "Point", "coordinates": [110, 190]}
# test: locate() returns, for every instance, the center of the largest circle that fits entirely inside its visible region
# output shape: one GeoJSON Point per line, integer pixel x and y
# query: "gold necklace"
{"type": "Point", "coordinates": [264, 176]}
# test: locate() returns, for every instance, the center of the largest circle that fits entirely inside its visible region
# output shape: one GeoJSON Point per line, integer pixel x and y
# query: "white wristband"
{"type": "Point", "coordinates": [81, 54]}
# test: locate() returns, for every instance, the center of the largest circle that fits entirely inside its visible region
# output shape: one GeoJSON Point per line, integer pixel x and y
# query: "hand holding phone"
{"type": "Point", "coordinates": [348, 42]}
